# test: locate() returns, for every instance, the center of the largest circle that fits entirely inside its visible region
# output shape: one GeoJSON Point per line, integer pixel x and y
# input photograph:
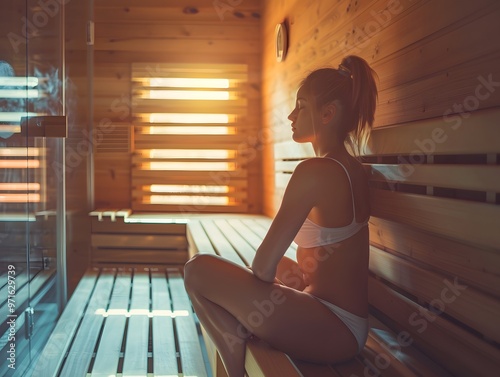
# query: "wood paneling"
{"type": "Point", "coordinates": [154, 31]}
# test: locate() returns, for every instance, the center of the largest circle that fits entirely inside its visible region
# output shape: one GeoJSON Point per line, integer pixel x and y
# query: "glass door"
{"type": "Point", "coordinates": [32, 195]}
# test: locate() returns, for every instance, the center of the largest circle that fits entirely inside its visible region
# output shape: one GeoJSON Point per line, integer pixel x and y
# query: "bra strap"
{"type": "Point", "coordinates": [350, 183]}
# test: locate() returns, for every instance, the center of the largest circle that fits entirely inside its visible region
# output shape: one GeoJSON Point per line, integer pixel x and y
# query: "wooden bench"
{"type": "Point", "coordinates": [434, 258]}
{"type": "Point", "coordinates": [237, 238]}
{"type": "Point", "coordinates": [120, 238]}
{"type": "Point", "coordinates": [126, 322]}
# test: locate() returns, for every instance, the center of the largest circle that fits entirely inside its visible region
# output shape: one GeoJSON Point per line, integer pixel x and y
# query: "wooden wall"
{"type": "Point", "coordinates": [433, 160]}
{"type": "Point", "coordinates": [150, 31]}
{"type": "Point", "coordinates": [428, 56]}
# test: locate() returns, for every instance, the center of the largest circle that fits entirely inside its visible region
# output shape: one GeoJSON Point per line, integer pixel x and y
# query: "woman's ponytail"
{"type": "Point", "coordinates": [363, 101]}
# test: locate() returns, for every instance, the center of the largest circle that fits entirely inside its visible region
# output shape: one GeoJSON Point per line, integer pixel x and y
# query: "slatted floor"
{"type": "Point", "coordinates": [130, 322]}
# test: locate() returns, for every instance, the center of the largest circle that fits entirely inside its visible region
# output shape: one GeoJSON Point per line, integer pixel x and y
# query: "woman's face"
{"type": "Point", "coordinates": [302, 118]}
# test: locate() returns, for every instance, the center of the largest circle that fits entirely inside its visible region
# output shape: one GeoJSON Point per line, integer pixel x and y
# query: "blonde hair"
{"type": "Point", "coordinates": [353, 84]}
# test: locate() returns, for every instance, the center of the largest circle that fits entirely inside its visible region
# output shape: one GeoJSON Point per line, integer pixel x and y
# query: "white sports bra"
{"type": "Point", "coordinates": [313, 235]}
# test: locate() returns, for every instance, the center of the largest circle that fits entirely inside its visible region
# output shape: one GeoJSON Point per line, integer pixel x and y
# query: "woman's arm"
{"type": "Point", "coordinates": [298, 200]}
{"type": "Point", "coordinates": [288, 273]}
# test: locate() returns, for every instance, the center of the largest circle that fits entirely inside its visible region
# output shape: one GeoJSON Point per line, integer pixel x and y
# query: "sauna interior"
{"type": "Point", "coordinates": [137, 133]}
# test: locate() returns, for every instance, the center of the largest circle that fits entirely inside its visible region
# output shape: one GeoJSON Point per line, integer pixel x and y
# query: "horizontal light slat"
{"type": "Point", "coordinates": [139, 180]}
{"type": "Point", "coordinates": [204, 122]}
{"type": "Point", "coordinates": [164, 177]}
{"type": "Point", "coordinates": [189, 166]}
{"type": "Point", "coordinates": [200, 154]}
{"type": "Point", "coordinates": [143, 105]}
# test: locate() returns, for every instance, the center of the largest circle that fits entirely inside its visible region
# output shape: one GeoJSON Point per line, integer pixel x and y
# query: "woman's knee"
{"type": "Point", "coordinates": [195, 269]}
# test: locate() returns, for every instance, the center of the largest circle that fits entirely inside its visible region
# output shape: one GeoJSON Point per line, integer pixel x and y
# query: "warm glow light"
{"type": "Point", "coordinates": [10, 128]}
{"type": "Point", "coordinates": [191, 153]}
{"type": "Point", "coordinates": [20, 186]}
{"type": "Point", "coordinates": [150, 314]}
{"type": "Point", "coordinates": [20, 152]}
{"type": "Point", "coordinates": [19, 164]}
{"type": "Point", "coordinates": [189, 200]}
{"type": "Point", "coordinates": [191, 130]}
{"type": "Point", "coordinates": [19, 198]}
{"type": "Point", "coordinates": [197, 189]}
{"type": "Point", "coordinates": [189, 166]}
{"type": "Point", "coordinates": [19, 81]}
{"type": "Point", "coordinates": [20, 93]}
{"type": "Point", "coordinates": [188, 95]}
{"type": "Point", "coordinates": [178, 82]}
{"type": "Point", "coordinates": [188, 118]}
{"type": "Point", "coordinates": [15, 117]}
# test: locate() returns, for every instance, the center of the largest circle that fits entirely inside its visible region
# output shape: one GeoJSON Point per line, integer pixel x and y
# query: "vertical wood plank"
{"type": "Point", "coordinates": [187, 334]}
{"type": "Point", "coordinates": [51, 358]}
{"type": "Point", "coordinates": [78, 358]}
{"type": "Point", "coordinates": [108, 353]}
{"type": "Point", "coordinates": [135, 360]}
{"type": "Point", "coordinates": [164, 352]}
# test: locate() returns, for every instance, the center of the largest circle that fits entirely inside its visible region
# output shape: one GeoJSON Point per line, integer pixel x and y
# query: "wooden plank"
{"type": "Point", "coordinates": [466, 304]}
{"type": "Point", "coordinates": [198, 240]}
{"type": "Point", "coordinates": [107, 226]}
{"type": "Point", "coordinates": [79, 356]}
{"type": "Point", "coordinates": [247, 232]}
{"type": "Point", "coordinates": [154, 256]}
{"type": "Point", "coordinates": [178, 31]}
{"type": "Point", "coordinates": [262, 360]}
{"type": "Point", "coordinates": [110, 345]}
{"type": "Point", "coordinates": [221, 244]}
{"type": "Point", "coordinates": [475, 266]}
{"type": "Point", "coordinates": [477, 133]}
{"type": "Point", "coordinates": [58, 344]}
{"type": "Point", "coordinates": [261, 226]}
{"type": "Point", "coordinates": [465, 221]}
{"type": "Point", "coordinates": [138, 241]}
{"type": "Point", "coordinates": [459, 351]}
{"type": "Point", "coordinates": [135, 359]}
{"type": "Point", "coordinates": [242, 247]}
{"type": "Point", "coordinates": [385, 362]}
{"type": "Point", "coordinates": [463, 177]}
{"type": "Point", "coordinates": [191, 209]}
{"type": "Point", "coordinates": [397, 345]}
{"type": "Point", "coordinates": [216, 365]}
{"type": "Point", "coordinates": [315, 370]}
{"type": "Point", "coordinates": [166, 14]}
{"type": "Point", "coordinates": [164, 352]}
{"type": "Point", "coordinates": [187, 335]}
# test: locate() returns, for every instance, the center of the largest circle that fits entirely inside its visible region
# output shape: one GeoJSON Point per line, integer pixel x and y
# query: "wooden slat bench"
{"type": "Point", "coordinates": [237, 238]}
{"type": "Point", "coordinates": [120, 238]}
{"type": "Point", "coordinates": [125, 322]}
{"type": "Point", "coordinates": [435, 257]}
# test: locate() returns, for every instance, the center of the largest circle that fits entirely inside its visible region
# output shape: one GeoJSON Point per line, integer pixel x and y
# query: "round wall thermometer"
{"type": "Point", "coordinates": [281, 41]}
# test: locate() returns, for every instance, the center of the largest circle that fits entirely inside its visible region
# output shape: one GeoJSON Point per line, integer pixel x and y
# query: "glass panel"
{"type": "Point", "coordinates": [31, 190]}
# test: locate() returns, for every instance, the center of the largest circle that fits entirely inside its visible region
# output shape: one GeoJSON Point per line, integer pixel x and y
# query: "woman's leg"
{"type": "Point", "coordinates": [229, 300]}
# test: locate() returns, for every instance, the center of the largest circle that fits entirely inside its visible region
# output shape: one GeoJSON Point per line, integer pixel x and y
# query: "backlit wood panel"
{"type": "Point", "coordinates": [134, 31]}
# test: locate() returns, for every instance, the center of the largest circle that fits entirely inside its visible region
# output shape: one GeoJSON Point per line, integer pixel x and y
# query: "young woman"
{"type": "Point", "coordinates": [316, 309]}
